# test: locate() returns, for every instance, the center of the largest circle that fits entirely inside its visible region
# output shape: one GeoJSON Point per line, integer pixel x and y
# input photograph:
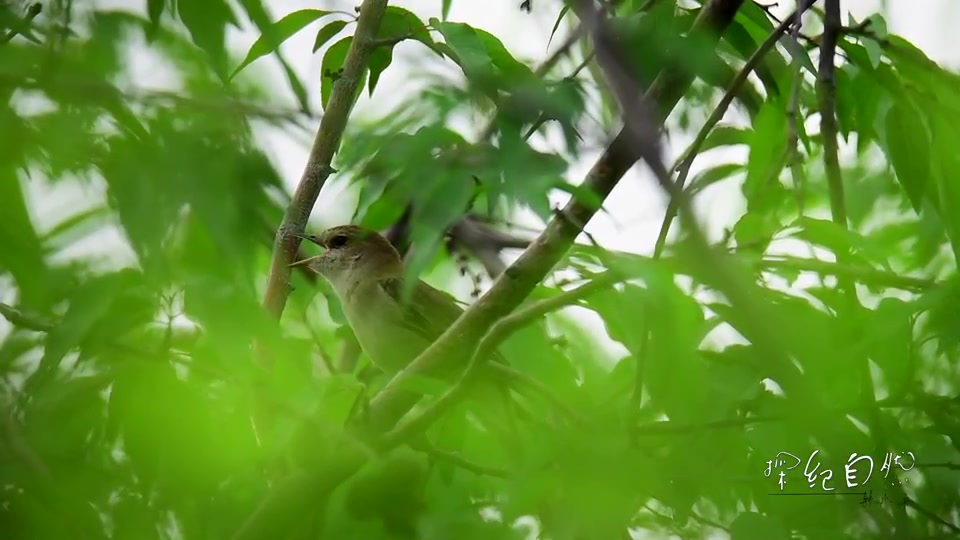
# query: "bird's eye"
{"type": "Point", "coordinates": [338, 241]}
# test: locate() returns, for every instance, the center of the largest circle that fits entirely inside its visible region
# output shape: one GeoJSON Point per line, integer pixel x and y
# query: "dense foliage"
{"type": "Point", "coordinates": [147, 393]}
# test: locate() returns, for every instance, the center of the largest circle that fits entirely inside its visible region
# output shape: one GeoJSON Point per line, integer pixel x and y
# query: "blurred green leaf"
{"type": "Point", "coordinates": [280, 31]}
{"type": "Point", "coordinates": [328, 31]}
{"type": "Point", "coordinates": [754, 526]}
{"type": "Point", "coordinates": [332, 67]}
{"type": "Point", "coordinates": [767, 147]}
{"type": "Point", "coordinates": [207, 22]}
{"type": "Point", "coordinates": [907, 145]}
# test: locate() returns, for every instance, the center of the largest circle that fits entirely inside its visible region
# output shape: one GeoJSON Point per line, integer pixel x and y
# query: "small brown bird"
{"type": "Point", "coordinates": [366, 273]}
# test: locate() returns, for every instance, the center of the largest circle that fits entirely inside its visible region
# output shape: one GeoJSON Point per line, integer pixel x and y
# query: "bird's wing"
{"type": "Point", "coordinates": [442, 307]}
{"type": "Point", "coordinates": [426, 299]}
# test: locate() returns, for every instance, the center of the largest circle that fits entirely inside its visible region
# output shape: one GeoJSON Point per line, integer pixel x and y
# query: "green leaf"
{"type": "Point", "coordinates": [887, 339]}
{"type": "Point", "coordinates": [88, 305]}
{"type": "Point", "coordinates": [556, 24]}
{"type": "Point", "coordinates": [623, 315]}
{"type": "Point", "coordinates": [713, 175]}
{"type": "Point", "coordinates": [332, 67]}
{"type": "Point", "coordinates": [22, 254]}
{"type": "Point", "coordinates": [907, 145]}
{"type": "Point", "coordinates": [767, 146]}
{"type": "Point", "coordinates": [207, 20]}
{"type": "Point", "coordinates": [280, 31]}
{"type": "Point", "coordinates": [839, 239]}
{"type": "Point", "coordinates": [399, 23]}
{"type": "Point", "coordinates": [754, 526]}
{"type": "Point", "coordinates": [874, 50]}
{"type": "Point", "coordinates": [379, 60]}
{"type": "Point", "coordinates": [946, 163]}
{"type": "Point", "coordinates": [878, 26]}
{"type": "Point", "coordinates": [155, 9]}
{"type": "Point", "coordinates": [445, 8]}
{"type": "Point", "coordinates": [471, 53]}
{"type": "Point", "coordinates": [726, 136]}
{"type": "Point", "coordinates": [327, 32]}
{"type": "Point", "coordinates": [754, 230]}
{"type": "Point", "coordinates": [485, 61]}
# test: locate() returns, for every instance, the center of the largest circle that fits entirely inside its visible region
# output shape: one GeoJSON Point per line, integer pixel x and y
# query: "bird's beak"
{"type": "Point", "coordinates": [304, 262]}
{"type": "Point", "coordinates": [311, 237]}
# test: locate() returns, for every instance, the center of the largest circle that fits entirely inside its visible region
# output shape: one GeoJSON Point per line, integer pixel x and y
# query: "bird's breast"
{"type": "Point", "coordinates": [389, 343]}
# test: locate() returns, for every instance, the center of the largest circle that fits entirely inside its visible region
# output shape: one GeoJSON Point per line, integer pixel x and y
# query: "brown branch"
{"type": "Point", "coordinates": [827, 100]}
{"type": "Point", "coordinates": [325, 146]}
{"type": "Point", "coordinates": [718, 112]}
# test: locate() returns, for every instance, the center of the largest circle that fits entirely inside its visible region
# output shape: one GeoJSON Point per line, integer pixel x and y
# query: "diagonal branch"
{"type": "Point", "coordinates": [325, 145]}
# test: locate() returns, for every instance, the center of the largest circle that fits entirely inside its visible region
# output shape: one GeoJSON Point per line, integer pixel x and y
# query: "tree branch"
{"type": "Point", "coordinates": [827, 100]}
{"type": "Point", "coordinates": [325, 146]}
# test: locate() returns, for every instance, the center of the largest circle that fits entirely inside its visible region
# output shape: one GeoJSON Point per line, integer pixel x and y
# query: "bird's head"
{"type": "Point", "coordinates": [350, 254]}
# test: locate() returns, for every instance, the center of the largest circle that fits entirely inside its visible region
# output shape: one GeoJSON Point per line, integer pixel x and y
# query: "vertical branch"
{"type": "Point", "coordinates": [794, 159]}
{"type": "Point", "coordinates": [827, 99]}
{"type": "Point", "coordinates": [325, 145]}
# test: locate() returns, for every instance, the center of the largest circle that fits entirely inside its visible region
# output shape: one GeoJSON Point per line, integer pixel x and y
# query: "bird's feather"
{"type": "Point", "coordinates": [426, 299]}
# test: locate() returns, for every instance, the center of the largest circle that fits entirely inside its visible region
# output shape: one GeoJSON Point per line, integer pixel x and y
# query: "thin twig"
{"type": "Point", "coordinates": [459, 461]}
{"type": "Point", "coordinates": [793, 112]}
